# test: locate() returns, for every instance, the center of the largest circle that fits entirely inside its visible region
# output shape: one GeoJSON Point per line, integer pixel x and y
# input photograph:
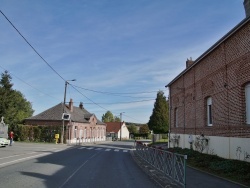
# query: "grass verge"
{"type": "Point", "coordinates": [234, 170]}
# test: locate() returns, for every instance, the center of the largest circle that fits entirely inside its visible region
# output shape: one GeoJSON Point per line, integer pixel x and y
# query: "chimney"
{"type": "Point", "coordinates": [71, 105]}
{"type": "Point", "coordinates": [81, 105]}
{"type": "Point", "coordinates": [247, 7]}
{"type": "Point", "coordinates": [189, 62]}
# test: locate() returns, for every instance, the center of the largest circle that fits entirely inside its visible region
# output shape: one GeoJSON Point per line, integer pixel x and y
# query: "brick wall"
{"type": "Point", "coordinates": [221, 74]}
{"type": "Point", "coordinates": [92, 130]}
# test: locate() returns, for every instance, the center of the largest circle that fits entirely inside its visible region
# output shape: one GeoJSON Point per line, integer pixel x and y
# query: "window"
{"type": "Point", "coordinates": [247, 99]}
{"type": "Point", "coordinates": [176, 117]}
{"type": "Point", "coordinates": [209, 112]}
{"type": "Point", "coordinates": [85, 133]}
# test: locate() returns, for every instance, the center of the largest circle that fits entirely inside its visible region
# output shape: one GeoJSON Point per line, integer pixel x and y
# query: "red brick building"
{"type": "Point", "coordinates": [210, 100]}
{"type": "Point", "coordinates": [81, 127]}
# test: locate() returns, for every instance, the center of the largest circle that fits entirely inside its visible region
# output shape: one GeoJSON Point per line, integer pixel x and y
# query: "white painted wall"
{"type": "Point", "coordinates": [125, 132]}
{"type": "Point", "coordinates": [226, 147]}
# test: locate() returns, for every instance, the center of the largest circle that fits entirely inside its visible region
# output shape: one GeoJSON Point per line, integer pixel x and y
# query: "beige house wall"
{"type": "Point", "coordinates": [225, 147]}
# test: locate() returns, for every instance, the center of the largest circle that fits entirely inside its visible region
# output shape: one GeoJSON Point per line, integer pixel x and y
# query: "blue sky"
{"type": "Point", "coordinates": [128, 48]}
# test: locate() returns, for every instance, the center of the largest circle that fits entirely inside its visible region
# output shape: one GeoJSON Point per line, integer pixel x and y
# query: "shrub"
{"type": "Point", "coordinates": [234, 170]}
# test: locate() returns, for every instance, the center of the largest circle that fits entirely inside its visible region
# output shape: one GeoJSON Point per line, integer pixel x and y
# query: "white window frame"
{"type": "Point", "coordinates": [209, 112]}
{"type": "Point", "coordinates": [247, 103]}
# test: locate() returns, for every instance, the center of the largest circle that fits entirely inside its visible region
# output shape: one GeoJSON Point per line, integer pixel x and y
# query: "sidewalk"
{"type": "Point", "coordinates": [198, 179]}
{"type": "Point", "coordinates": [194, 178]}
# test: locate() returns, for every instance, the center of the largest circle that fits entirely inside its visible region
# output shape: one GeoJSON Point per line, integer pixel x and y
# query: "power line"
{"type": "Point", "coordinates": [56, 71]}
{"type": "Point", "coordinates": [88, 98]}
{"type": "Point", "coordinates": [99, 104]}
{"type": "Point", "coordinates": [131, 117]}
{"type": "Point", "coordinates": [114, 94]}
{"type": "Point", "coordinates": [105, 92]}
{"type": "Point", "coordinates": [125, 102]}
{"type": "Point", "coordinates": [32, 46]}
{"type": "Point", "coordinates": [27, 83]}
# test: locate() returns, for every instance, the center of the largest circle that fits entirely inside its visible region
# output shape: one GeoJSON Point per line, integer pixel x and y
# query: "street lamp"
{"type": "Point", "coordinates": [64, 101]}
{"type": "Point", "coordinates": [121, 126]}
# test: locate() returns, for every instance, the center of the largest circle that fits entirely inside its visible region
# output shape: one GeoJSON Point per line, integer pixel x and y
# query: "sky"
{"type": "Point", "coordinates": [121, 52]}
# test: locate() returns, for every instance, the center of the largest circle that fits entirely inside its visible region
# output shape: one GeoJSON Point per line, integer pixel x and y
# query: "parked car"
{"type": "Point", "coordinates": [3, 142]}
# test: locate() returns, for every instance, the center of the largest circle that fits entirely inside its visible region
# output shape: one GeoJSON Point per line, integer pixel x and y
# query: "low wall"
{"type": "Point", "coordinates": [226, 147]}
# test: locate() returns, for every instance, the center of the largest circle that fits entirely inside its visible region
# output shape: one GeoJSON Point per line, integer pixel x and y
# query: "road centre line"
{"type": "Point", "coordinates": [78, 169]}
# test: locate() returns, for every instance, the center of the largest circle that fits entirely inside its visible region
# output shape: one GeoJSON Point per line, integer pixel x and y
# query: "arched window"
{"type": "Point", "coordinates": [209, 112]}
{"type": "Point", "coordinates": [247, 99]}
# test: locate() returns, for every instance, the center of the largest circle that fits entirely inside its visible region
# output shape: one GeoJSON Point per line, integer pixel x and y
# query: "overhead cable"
{"type": "Point", "coordinates": [127, 102]}
{"type": "Point", "coordinates": [27, 83]}
{"type": "Point", "coordinates": [56, 71]}
{"type": "Point", "coordinates": [31, 46]}
{"type": "Point", "coordinates": [88, 98]}
{"type": "Point", "coordinates": [105, 92]}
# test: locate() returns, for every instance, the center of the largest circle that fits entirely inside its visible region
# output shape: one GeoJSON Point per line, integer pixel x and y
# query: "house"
{"type": "Point", "coordinates": [81, 127]}
{"type": "Point", "coordinates": [209, 101]}
{"type": "Point", "coordinates": [114, 130]}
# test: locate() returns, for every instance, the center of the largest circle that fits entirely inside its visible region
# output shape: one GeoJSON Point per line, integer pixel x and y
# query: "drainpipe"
{"type": "Point", "coordinates": [169, 115]}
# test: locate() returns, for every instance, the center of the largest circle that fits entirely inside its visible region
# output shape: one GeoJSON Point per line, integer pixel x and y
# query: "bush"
{"type": "Point", "coordinates": [37, 133]}
{"type": "Point", "coordinates": [234, 170]}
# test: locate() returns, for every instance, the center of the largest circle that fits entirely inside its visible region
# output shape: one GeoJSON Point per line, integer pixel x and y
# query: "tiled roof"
{"type": "Point", "coordinates": [113, 127]}
{"type": "Point", "coordinates": [55, 113]}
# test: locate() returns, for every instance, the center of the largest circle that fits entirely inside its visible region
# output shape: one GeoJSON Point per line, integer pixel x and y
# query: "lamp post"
{"type": "Point", "coordinates": [64, 101]}
{"type": "Point", "coordinates": [121, 126]}
{"type": "Point", "coordinates": [75, 135]}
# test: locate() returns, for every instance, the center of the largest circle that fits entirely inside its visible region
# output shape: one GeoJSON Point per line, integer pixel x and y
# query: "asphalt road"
{"type": "Point", "coordinates": [89, 166]}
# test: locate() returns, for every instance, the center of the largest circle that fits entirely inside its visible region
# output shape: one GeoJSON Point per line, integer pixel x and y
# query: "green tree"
{"type": "Point", "coordinates": [144, 129]}
{"type": "Point", "coordinates": [117, 119]}
{"type": "Point", "coordinates": [159, 120]}
{"type": "Point", "coordinates": [132, 129]}
{"type": "Point", "coordinates": [13, 105]}
{"type": "Point", "coordinates": [108, 117]}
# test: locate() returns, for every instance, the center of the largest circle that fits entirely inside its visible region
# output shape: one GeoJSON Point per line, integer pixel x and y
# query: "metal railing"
{"type": "Point", "coordinates": [172, 165]}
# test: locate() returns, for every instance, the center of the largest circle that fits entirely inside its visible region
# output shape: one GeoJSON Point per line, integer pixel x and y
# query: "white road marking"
{"type": "Point", "coordinates": [105, 149]}
{"type": "Point", "coordinates": [81, 148]}
{"type": "Point", "coordinates": [77, 170]}
{"type": "Point", "coordinates": [98, 149]}
{"type": "Point", "coordinates": [17, 155]}
{"type": "Point", "coordinates": [25, 158]}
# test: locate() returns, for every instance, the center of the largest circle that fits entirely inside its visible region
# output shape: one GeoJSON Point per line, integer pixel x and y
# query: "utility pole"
{"type": "Point", "coordinates": [121, 126]}
{"type": "Point", "coordinates": [64, 101]}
